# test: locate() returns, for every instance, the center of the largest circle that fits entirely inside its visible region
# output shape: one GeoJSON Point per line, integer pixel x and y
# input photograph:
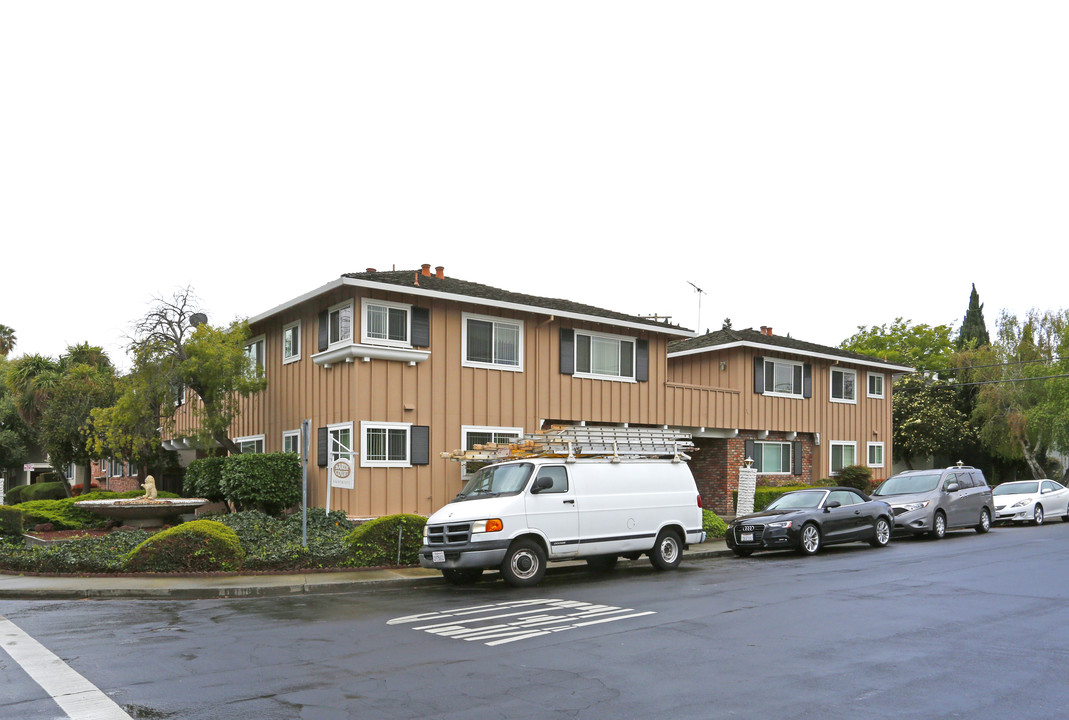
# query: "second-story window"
{"type": "Point", "coordinates": [291, 342]}
{"type": "Point", "coordinates": [783, 377]}
{"type": "Point", "coordinates": [254, 351]}
{"type": "Point", "coordinates": [340, 324]}
{"type": "Point", "coordinates": [493, 342]}
{"type": "Point", "coordinates": [385, 323]}
{"type": "Point", "coordinates": [843, 385]}
{"type": "Point", "coordinates": [604, 356]}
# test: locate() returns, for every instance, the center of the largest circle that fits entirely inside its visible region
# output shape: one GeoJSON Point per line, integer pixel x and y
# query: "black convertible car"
{"type": "Point", "coordinates": [807, 520]}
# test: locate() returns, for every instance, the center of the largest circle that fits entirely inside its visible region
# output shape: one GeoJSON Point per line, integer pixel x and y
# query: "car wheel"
{"type": "Point", "coordinates": [1037, 516]}
{"type": "Point", "coordinates": [985, 522]}
{"type": "Point", "coordinates": [1065, 517]}
{"type": "Point", "coordinates": [882, 536]}
{"type": "Point", "coordinates": [742, 552]}
{"type": "Point", "coordinates": [939, 526]}
{"type": "Point", "coordinates": [462, 576]}
{"type": "Point", "coordinates": [810, 539]}
{"type": "Point", "coordinates": [667, 552]}
{"type": "Point", "coordinates": [524, 564]}
{"type": "Point", "coordinates": [601, 563]}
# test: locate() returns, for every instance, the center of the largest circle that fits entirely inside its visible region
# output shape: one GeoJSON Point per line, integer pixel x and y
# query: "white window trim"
{"type": "Point", "coordinates": [292, 433]}
{"type": "Point", "coordinates": [263, 353]}
{"type": "Point", "coordinates": [365, 302]}
{"type": "Point", "coordinates": [352, 319]}
{"type": "Point", "coordinates": [465, 429]}
{"type": "Point", "coordinates": [464, 317]}
{"type": "Point", "coordinates": [790, 455]}
{"type": "Point", "coordinates": [292, 358]}
{"type": "Point", "coordinates": [831, 384]}
{"type": "Point", "coordinates": [800, 395]}
{"type": "Point", "coordinates": [831, 450]}
{"type": "Point", "coordinates": [366, 425]}
{"type": "Point", "coordinates": [330, 445]}
{"type": "Point", "coordinates": [883, 385]}
{"type": "Point", "coordinates": [868, 457]}
{"type": "Point", "coordinates": [253, 438]}
{"type": "Point", "coordinates": [605, 336]}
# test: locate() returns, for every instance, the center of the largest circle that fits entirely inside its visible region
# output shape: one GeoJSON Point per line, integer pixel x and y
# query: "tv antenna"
{"type": "Point", "coordinates": [700, 293]}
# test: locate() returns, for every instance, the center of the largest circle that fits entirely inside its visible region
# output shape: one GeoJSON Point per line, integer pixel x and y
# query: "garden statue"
{"type": "Point", "coordinates": [150, 488]}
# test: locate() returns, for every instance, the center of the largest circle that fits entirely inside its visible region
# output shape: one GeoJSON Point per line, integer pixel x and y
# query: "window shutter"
{"type": "Point", "coordinates": [807, 380]}
{"type": "Point", "coordinates": [642, 360]}
{"type": "Point", "coordinates": [759, 375]}
{"type": "Point", "coordinates": [420, 450]}
{"type": "Point", "coordinates": [751, 449]}
{"type": "Point", "coordinates": [324, 329]}
{"type": "Point", "coordinates": [567, 351]}
{"type": "Point", "coordinates": [796, 458]}
{"type": "Point", "coordinates": [421, 327]}
{"type": "Point", "coordinates": [321, 448]}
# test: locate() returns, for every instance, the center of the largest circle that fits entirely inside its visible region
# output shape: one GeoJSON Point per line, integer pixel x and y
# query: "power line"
{"type": "Point", "coordinates": [950, 385]}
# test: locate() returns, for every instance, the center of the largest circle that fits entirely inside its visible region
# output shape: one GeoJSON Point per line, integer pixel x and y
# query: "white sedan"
{"type": "Point", "coordinates": [1031, 501]}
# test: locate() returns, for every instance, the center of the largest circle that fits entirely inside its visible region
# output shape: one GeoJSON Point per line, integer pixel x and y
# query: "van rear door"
{"type": "Point", "coordinates": [552, 511]}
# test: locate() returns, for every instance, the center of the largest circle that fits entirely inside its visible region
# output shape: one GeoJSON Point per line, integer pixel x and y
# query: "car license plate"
{"type": "Point", "coordinates": [438, 556]}
{"type": "Point", "coordinates": [746, 537]}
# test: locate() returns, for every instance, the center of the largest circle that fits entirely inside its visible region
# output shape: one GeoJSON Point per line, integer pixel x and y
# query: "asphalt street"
{"type": "Point", "coordinates": [973, 626]}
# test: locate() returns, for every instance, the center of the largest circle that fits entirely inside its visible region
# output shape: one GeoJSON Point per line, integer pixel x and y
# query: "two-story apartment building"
{"type": "Point", "coordinates": [801, 411]}
{"type": "Point", "coordinates": [393, 368]}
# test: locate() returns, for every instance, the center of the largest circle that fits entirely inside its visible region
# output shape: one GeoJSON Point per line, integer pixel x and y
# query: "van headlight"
{"type": "Point", "coordinates": [910, 507]}
{"type": "Point", "coordinates": [491, 525]}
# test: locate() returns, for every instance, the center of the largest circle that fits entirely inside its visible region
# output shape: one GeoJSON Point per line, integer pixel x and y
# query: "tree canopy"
{"type": "Point", "coordinates": [924, 347]}
{"type": "Point", "coordinates": [973, 331]}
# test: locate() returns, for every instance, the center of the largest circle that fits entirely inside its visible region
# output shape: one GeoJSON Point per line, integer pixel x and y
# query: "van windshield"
{"type": "Point", "coordinates": [907, 484]}
{"type": "Point", "coordinates": [494, 480]}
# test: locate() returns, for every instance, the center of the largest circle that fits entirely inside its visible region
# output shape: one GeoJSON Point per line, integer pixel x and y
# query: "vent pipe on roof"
{"type": "Point", "coordinates": [439, 272]}
{"type": "Point", "coordinates": [765, 330]}
{"type": "Point", "coordinates": [426, 272]}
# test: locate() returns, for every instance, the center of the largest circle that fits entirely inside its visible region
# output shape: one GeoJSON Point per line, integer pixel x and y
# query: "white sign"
{"type": "Point", "coordinates": [341, 474]}
{"type": "Point", "coordinates": [747, 487]}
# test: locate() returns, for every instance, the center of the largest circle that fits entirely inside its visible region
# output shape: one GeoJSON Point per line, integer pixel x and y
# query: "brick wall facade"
{"type": "Point", "coordinates": [716, 462]}
{"type": "Point", "coordinates": [102, 477]}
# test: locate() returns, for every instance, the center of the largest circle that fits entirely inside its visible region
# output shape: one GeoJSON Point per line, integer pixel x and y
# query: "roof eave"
{"type": "Point", "coordinates": [793, 351]}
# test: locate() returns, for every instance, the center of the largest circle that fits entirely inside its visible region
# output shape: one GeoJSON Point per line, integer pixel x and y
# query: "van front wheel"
{"type": "Point", "coordinates": [667, 552]}
{"type": "Point", "coordinates": [524, 564]}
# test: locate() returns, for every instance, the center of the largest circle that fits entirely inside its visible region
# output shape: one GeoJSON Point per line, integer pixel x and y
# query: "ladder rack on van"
{"type": "Point", "coordinates": [571, 442]}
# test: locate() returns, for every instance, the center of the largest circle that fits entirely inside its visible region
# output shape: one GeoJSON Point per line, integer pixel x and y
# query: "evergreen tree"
{"type": "Point", "coordinates": [973, 332]}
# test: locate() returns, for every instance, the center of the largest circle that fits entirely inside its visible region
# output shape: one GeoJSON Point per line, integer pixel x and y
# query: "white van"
{"type": "Point", "coordinates": [516, 515]}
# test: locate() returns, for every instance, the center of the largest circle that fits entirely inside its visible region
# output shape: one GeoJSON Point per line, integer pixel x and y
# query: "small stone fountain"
{"type": "Point", "coordinates": [146, 512]}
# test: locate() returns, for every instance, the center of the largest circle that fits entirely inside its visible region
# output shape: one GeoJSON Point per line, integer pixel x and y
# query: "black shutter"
{"type": "Point", "coordinates": [751, 449]}
{"type": "Point", "coordinates": [796, 458]}
{"type": "Point", "coordinates": [567, 351]}
{"type": "Point", "coordinates": [420, 445]}
{"type": "Point", "coordinates": [324, 330]}
{"type": "Point", "coordinates": [421, 327]}
{"type": "Point", "coordinates": [807, 380]}
{"type": "Point", "coordinates": [759, 375]}
{"type": "Point", "coordinates": [642, 360]}
{"type": "Point", "coordinates": [321, 447]}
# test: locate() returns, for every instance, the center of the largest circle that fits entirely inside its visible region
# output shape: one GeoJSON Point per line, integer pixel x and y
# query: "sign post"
{"type": "Point", "coordinates": [747, 488]}
{"type": "Point", "coordinates": [305, 432]}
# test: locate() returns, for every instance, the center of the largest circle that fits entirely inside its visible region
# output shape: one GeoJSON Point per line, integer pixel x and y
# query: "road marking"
{"type": "Point", "coordinates": [523, 619]}
{"type": "Point", "coordinates": [78, 697]}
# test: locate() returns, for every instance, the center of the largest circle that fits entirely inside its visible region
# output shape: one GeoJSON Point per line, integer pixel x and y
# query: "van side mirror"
{"type": "Point", "coordinates": [953, 487]}
{"type": "Point", "coordinates": [540, 484]}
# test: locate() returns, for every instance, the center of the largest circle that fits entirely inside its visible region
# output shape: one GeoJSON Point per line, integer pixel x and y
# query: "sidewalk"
{"type": "Point", "coordinates": [31, 587]}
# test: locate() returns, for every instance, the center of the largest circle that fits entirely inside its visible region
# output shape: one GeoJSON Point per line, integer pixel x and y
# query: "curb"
{"type": "Point", "coordinates": [23, 587]}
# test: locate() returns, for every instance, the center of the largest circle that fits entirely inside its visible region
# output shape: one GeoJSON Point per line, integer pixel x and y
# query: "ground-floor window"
{"type": "Point", "coordinates": [876, 454]}
{"type": "Point", "coordinates": [843, 454]}
{"type": "Point", "coordinates": [472, 435]}
{"type": "Point", "coordinates": [291, 441]}
{"type": "Point", "coordinates": [339, 442]}
{"type": "Point", "coordinates": [384, 444]}
{"type": "Point", "coordinates": [251, 444]}
{"type": "Point", "coordinates": [772, 457]}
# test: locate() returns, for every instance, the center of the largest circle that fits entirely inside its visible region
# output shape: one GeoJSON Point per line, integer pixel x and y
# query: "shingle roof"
{"type": "Point", "coordinates": [463, 288]}
{"type": "Point", "coordinates": [713, 340]}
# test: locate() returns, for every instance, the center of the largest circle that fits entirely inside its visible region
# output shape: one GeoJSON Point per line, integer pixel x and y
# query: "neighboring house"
{"type": "Point", "coordinates": [801, 411]}
{"type": "Point", "coordinates": [394, 368]}
{"type": "Point", "coordinates": [115, 475]}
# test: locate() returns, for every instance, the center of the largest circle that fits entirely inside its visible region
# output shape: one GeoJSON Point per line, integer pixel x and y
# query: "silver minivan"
{"type": "Point", "coordinates": [934, 501]}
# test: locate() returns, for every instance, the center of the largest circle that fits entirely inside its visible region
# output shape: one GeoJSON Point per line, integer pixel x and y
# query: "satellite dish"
{"type": "Point", "coordinates": [198, 319]}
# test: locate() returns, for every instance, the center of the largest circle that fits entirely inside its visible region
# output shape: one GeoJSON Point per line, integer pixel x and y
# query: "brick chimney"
{"type": "Point", "coordinates": [765, 330]}
{"type": "Point", "coordinates": [426, 272]}
{"type": "Point", "coordinates": [371, 270]}
{"type": "Point", "coordinates": [439, 272]}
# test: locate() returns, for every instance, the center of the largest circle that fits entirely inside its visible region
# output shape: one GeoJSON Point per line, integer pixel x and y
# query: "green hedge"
{"type": "Point", "coordinates": [37, 491]}
{"type": "Point", "coordinates": [275, 543]}
{"type": "Point", "coordinates": [203, 477]}
{"type": "Point", "coordinates": [764, 495]}
{"type": "Point", "coordinates": [102, 554]}
{"type": "Point", "coordinates": [198, 546]}
{"type": "Point", "coordinates": [713, 525]}
{"type": "Point", "coordinates": [10, 520]}
{"type": "Point", "coordinates": [390, 540]}
{"type": "Point", "coordinates": [270, 482]}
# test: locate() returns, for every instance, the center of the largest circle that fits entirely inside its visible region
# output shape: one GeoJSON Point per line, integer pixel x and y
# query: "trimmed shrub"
{"type": "Point", "coordinates": [390, 540]}
{"type": "Point", "coordinates": [713, 525]}
{"type": "Point", "coordinates": [10, 520]}
{"type": "Point", "coordinates": [203, 477]}
{"type": "Point", "coordinates": [275, 544]}
{"type": "Point", "coordinates": [858, 477]}
{"type": "Point", "coordinates": [269, 482]}
{"type": "Point", "coordinates": [198, 546]}
{"type": "Point", "coordinates": [103, 554]}
{"type": "Point", "coordinates": [37, 491]}
{"type": "Point", "coordinates": [764, 495]}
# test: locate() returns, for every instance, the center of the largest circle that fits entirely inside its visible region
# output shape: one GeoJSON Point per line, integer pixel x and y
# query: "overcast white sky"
{"type": "Point", "coordinates": [813, 166]}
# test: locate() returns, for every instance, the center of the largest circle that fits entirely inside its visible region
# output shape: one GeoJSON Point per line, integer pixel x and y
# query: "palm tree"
{"type": "Point", "coordinates": [31, 379]}
{"type": "Point", "coordinates": [7, 340]}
